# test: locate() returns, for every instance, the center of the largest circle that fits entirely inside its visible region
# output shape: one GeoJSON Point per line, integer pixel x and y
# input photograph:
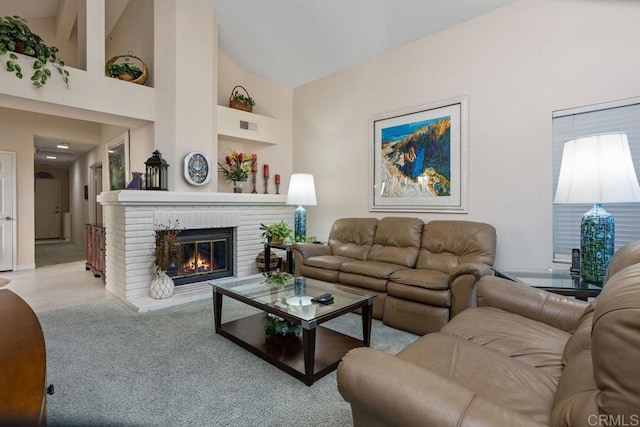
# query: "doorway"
{"type": "Point", "coordinates": [47, 203]}
{"type": "Point", "coordinates": [7, 210]}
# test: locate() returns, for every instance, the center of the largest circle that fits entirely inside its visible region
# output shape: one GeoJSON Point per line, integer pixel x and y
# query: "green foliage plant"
{"type": "Point", "coordinates": [244, 99]}
{"type": "Point", "coordinates": [16, 36]}
{"type": "Point", "coordinates": [276, 232]}
{"type": "Point", "coordinates": [126, 67]}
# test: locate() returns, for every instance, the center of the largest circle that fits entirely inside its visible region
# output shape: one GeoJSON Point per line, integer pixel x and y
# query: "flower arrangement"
{"type": "Point", "coordinates": [236, 166]}
{"type": "Point", "coordinates": [277, 278]}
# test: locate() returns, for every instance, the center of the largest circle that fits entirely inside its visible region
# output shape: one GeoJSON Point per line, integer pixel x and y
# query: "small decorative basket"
{"type": "Point", "coordinates": [131, 61]}
{"type": "Point", "coordinates": [238, 104]}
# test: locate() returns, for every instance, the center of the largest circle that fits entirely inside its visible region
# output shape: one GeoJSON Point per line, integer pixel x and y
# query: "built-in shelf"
{"type": "Point", "coordinates": [244, 126]}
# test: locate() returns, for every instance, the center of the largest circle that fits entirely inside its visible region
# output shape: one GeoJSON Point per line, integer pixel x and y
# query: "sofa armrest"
{"type": "Point", "coordinates": [555, 310]}
{"type": "Point", "coordinates": [386, 390]}
{"type": "Point", "coordinates": [462, 283]}
{"type": "Point", "coordinates": [307, 250]}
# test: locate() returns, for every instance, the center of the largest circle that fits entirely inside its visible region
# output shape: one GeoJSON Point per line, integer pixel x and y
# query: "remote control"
{"type": "Point", "coordinates": [323, 299]}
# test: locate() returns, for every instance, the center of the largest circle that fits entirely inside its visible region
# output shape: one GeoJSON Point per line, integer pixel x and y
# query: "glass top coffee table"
{"type": "Point", "coordinates": [318, 350]}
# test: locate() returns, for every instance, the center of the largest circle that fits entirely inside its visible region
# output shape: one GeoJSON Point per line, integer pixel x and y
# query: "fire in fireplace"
{"type": "Point", "coordinates": [204, 254]}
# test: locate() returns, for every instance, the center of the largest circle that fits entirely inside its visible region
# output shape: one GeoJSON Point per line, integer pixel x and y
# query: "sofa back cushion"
{"type": "Point", "coordinates": [615, 343]}
{"type": "Point", "coordinates": [624, 257]}
{"type": "Point", "coordinates": [447, 244]}
{"type": "Point", "coordinates": [397, 241]}
{"type": "Point", "coordinates": [352, 237]}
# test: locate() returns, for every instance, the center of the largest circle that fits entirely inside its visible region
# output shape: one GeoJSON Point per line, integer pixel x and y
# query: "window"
{"type": "Point", "coordinates": [621, 117]}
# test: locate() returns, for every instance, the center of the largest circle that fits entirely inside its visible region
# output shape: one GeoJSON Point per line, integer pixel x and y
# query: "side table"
{"type": "Point", "coordinates": [267, 255]}
{"type": "Point", "coordinates": [553, 280]}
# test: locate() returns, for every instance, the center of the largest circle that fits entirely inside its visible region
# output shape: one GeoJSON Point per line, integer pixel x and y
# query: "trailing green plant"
{"type": "Point", "coordinates": [116, 69]}
{"type": "Point", "coordinates": [17, 37]}
{"type": "Point", "coordinates": [278, 231]}
{"type": "Point", "coordinates": [244, 99]}
{"type": "Point", "coordinates": [307, 239]}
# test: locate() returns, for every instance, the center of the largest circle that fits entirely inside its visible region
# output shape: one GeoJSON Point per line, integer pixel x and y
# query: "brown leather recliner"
{"type": "Point", "coordinates": [522, 357]}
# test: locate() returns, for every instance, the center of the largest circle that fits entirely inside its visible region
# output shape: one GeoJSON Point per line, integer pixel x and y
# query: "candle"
{"type": "Point", "coordinates": [254, 163]}
{"type": "Point", "coordinates": [265, 171]}
{"type": "Point", "coordinates": [277, 179]}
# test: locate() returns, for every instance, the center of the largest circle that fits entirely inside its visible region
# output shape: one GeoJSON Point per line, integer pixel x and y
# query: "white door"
{"type": "Point", "coordinates": [48, 224]}
{"type": "Point", "coordinates": [7, 220]}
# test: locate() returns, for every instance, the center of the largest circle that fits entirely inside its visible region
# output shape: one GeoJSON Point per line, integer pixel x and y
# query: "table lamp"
{"type": "Point", "coordinates": [302, 191]}
{"type": "Point", "coordinates": [597, 169]}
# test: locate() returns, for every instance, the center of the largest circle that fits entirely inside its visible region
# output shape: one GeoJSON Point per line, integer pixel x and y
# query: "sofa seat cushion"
{"type": "Point", "coordinates": [493, 376]}
{"type": "Point", "coordinates": [438, 298]}
{"type": "Point", "coordinates": [421, 278]}
{"type": "Point", "coordinates": [329, 262]}
{"type": "Point", "coordinates": [533, 343]}
{"type": "Point", "coordinates": [377, 269]}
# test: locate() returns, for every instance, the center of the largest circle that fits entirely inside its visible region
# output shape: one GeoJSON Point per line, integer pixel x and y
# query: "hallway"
{"type": "Point", "coordinates": [51, 252]}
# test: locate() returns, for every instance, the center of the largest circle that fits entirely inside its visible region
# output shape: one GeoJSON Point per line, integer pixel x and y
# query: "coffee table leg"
{"type": "Point", "coordinates": [309, 347]}
{"type": "Point", "coordinates": [367, 313]}
{"type": "Point", "coordinates": [217, 310]}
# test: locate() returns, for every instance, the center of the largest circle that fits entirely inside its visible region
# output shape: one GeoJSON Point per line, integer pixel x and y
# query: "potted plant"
{"type": "Point", "coordinates": [166, 251]}
{"type": "Point", "coordinates": [276, 233]}
{"type": "Point", "coordinates": [16, 36]}
{"type": "Point", "coordinates": [240, 101]}
{"type": "Point", "coordinates": [122, 67]}
{"type": "Point", "coordinates": [236, 168]}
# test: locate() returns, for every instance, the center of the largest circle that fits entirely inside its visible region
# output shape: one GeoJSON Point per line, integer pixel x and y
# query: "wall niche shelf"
{"type": "Point", "coordinates": [245, 126]}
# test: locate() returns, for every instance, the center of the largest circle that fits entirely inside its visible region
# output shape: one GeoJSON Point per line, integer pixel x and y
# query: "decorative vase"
{"type": "Point", "coordinates": [162, 286]}
{"type": "Point", "coordinates": [237, 186]}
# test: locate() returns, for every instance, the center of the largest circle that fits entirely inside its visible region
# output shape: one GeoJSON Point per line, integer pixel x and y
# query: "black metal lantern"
{"type": "Point", "coordinates": [156, 177]}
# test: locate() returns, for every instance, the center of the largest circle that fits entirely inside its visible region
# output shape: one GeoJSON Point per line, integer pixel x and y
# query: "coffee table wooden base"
{"type": "Point", "coordinates": [288, 353]}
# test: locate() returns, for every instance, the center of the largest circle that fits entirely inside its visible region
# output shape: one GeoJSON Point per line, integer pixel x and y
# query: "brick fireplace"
{"type": "Point", "coordinates": [132, 216]}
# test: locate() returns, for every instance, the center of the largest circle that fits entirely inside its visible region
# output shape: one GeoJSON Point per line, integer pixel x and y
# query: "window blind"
{"type": "Point", "coordinates": [614, 117]}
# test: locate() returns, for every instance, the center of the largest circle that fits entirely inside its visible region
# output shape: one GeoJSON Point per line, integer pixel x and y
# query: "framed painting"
{"type": "Point", "coordinates": [118, 160]}
{"type": "Point", "coordinates": [420, 158]}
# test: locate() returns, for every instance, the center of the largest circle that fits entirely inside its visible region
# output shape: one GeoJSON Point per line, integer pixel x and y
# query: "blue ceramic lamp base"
{"type": "Point", "coordinates": [597, 242]}
{"type": "Point", "coordinates": [300, 224]}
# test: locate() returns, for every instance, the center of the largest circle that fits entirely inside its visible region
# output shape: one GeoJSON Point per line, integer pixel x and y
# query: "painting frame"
{"type": "Point", "coordinates": [118, 162]}
{"type": "Point", "coordinates": [435, 181]}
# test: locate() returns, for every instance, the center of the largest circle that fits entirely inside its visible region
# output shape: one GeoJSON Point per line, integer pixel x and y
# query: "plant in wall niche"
{"type": "Point", "coordinates": [236, 166]}
{"type": "Point", "coordinates": [240, 101]}
{"type": "Point", "coordinates": [276, 233]}
{"type": "Point", "coordinates": [16, 36]}
{"type": "Point", "coordinates": [124, 67]}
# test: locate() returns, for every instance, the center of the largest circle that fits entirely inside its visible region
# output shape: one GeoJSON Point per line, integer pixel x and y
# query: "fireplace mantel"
{"type": "Point", "coordinates": [130, 220]}
{"type": "Point", "coordinates": [148, 197]}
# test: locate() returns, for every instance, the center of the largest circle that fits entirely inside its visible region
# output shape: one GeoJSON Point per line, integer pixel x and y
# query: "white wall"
{"type": "Point", "coordinates": [517, 65]}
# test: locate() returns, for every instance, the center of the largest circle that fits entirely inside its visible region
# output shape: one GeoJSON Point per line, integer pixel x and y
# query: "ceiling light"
{"type": "Point", "coordinates": [63, 145]}
{"type": "Point", "coordinates": [51, 157]}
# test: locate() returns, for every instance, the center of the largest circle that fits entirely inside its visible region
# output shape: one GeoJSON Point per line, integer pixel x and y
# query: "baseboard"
{"type": "Point", "coordinates": [31, 266]}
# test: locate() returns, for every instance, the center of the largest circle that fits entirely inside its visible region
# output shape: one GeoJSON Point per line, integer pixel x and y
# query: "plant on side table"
{"type": "Point", "coordinates": [16, 36]}
{"type": "Point", "coordinates": [276, 233]}
{"type": "Point", "coordinates": [166, 251]}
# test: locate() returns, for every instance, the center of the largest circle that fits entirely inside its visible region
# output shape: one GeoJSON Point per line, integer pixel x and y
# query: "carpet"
{"type": "Point", "coordinates": [4, 281]}
{"type": "Point", "coordinates": [112, 366]}
{"type": "Point", "coordinates": [59, 253]}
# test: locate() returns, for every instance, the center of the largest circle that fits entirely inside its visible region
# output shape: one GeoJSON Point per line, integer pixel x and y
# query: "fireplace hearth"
{"type": "Point", "coordinates": [203, 254]}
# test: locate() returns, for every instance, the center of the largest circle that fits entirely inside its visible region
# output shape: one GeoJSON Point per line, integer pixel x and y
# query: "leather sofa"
{"type": "Point", "coordinates": [420, 273]}
{"type": "Point", "coordinates": [520, 357]}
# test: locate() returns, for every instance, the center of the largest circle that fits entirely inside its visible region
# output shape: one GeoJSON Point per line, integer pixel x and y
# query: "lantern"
{"type": "Point", "coordinates": [156, 177]}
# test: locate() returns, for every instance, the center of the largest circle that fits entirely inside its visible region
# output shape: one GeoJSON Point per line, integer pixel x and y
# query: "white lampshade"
{"type": "Point", "coordinates": [302, 190]}
{"type": "Point", "coordinates": [597, 169]}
